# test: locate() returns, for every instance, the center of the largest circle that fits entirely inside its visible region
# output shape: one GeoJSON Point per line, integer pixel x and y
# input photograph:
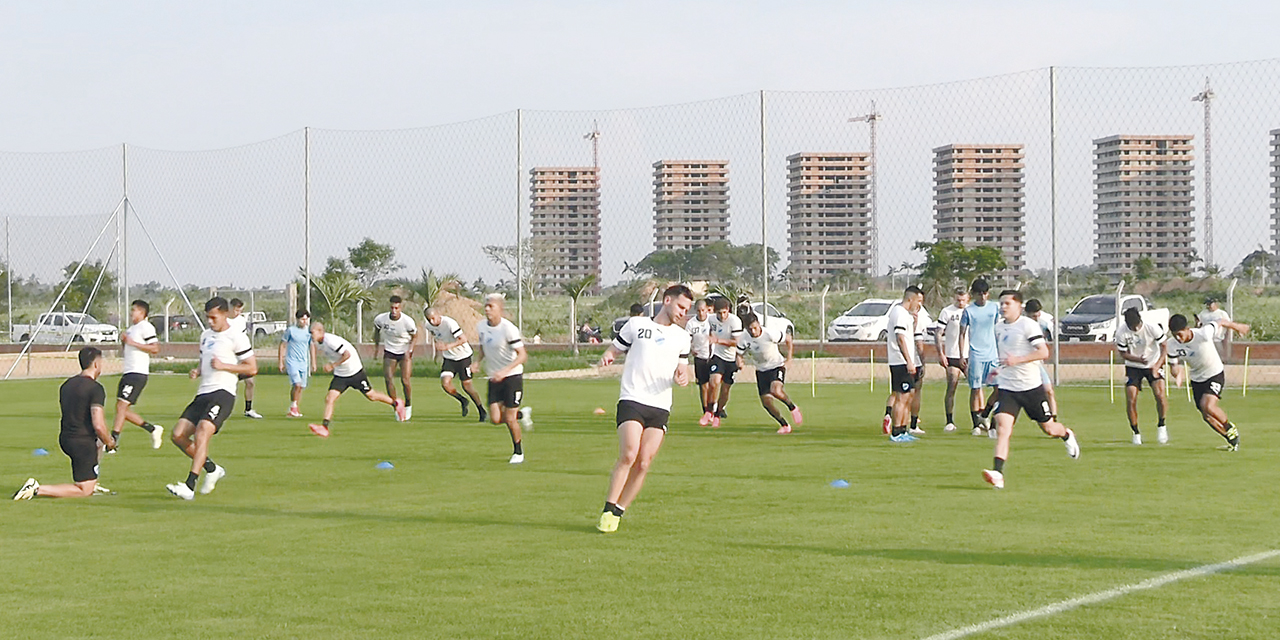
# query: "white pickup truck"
{"type": "Point", "coordinates": [1093, 319]}
{"type": "Point", "coordinates": [62, 327]}
{"type": "Point", "coordinates": [260, 327]}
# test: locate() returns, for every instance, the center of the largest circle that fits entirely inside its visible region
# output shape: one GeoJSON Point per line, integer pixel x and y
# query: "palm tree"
{"type": "Point", "coordinates": [574, 289]}
{"type": "Point", "coordinates": [338, 288]}
{"type": "Point", "coordinates": [429, 286]}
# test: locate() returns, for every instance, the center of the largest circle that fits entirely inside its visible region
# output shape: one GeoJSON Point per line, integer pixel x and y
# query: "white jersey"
{"type": "Point", "coordinates": [653, 353]}
{"type": "Point", "coordinates": [332, 348]}
{"type": "Point", "coordinates": [763, 350]}
{"type": "Point", "coordinates": [923, 322]}
{"type": "Point", "coordinates": [1145, 342]}
{"type": "Point", "coordinates": [397, 335]}
{"type": "Point", "coordinates": [1046, 323]}
{"type": "Point", "coordinates": [949, 325]}
{"type": "Point", "coordinates": [229, 347]}
{"type": "Point", "coordinates": [449, 332]}
{"type": "Point", "coordinates": [500, 344]}
{"type": "Point", "coordinates": [1206, 317]}
{"type": "Point", "coordinates": [700, 335]}
{"type": "Point", "coordinates": [135, 359]}
{"type": "Point", "coordinates": [901, 323]}
{"type": "Point", "coordinates": [1201, 355]}
{"type": "Point", "coordinates": [729, 329]}
{"type": "Point", "coordinates": [1019, 338]}
{"type": "Point", "coordinates": [239, 323]}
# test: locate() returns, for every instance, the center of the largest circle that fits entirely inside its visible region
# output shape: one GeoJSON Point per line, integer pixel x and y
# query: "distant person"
{"type": "Point", "coordinates": [699, 328]}
{"type": "Point", "coordinates": [395, 333]}
{"type": "Point", "coordinates": [1213, 314]}
{"type": "Point", "coordinates": [636, 310]}
{"type": "Point", "coordinates": [725, 362]}
{"type": "Point", "coordinates": [761, 346]}
{"type": "Point", "coordinates": [240, 322]}
{"type": "Point", "coordinates": [140, 343]}
{"type": "Point", "coordinates": [452, 344]}
{"type": "Point", "coordinates": [1143, 348]}
{"type": "Point", "coordinates": [503, 355]}
{"type": "Point", "coordinates": [1208, 375]}
{"type": "Point", "coordinates": [342, 359]}
{"type": "Point", "coordinates": [951, 350]}
{"type": "Point", "coordinates": [297, 358]}
{"type": "Point", "coordinates": [905, 365]}
{"type": "Point", "coordinates": [978, 327]}
{"type": "Point", "coordinates": [1035, 310]}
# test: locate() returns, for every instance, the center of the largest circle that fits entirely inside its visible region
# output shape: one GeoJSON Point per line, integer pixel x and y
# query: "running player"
{"type": "Point", "coordinates": [343, 361]}
{"type": "Point", "coordinates": [725, 329]}
{"type": "Point", "coordinates": [396, 332]}
{"type": "Point", "coordinates": [904, 360]}
{"type": "Point", "coordinates": [951, 350]}
{"type": "Point", "coordinates": [83, 431]}
{"type": "Point", "coordinates": [978, 327]}
{"type": "Point", "coordinates": [503, 353]}
{"type": "Point", "coordinates": [140, 343]}
{"type": "Point", "coordinates": [1196, 347]}
{"type": "Point", "coordinates": [240, 322]}
{"type": "Point", "coordinates": [699, 328]}
{"type": "Point", "coordinates": [225, 356]}
{"type": "Point", "coordinates": [1142, 347]}
{"type": "Point", "coordinates": [1020, 345]}
{"type": "Point", "coordinates": [761, 344]}
{"type": "Point", "coordinates": [450, 340]}
{"type": "Point", "coordinates": [1034, 310]}
{"type": "Point", "coordinates": [297, 358]}
{"type": "Point", "coordinates": [657, 354]}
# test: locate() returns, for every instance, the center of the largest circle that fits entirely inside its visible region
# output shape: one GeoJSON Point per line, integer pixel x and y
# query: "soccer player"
{"type": "Point", "coordinates": [657, 352]}
{"type": "Point", "coordinates": [240, 322]}
{"type": "Point", "coordinates": [978, 327]}
{"type": "Point", "coordinates": [140, 343]}
{"type": "Point", "coordinates": [951, 350]}
{"type": "Point", "coordinates": [761, 344]}
{"type": "Point", "coordinates": [84, 429]}
{"type": "Point", "coordinates": [1142, 347]}
{"type": "Point", "coordinates": [225, 356]}
{"type": "Point", "coordinates": [725, 329]}
{"type": "Point", "coordinates": [449, 339]}
{"type": "Point", "coordinates": [1196, 346]}
{"type": "Point", "coordinates": [343, 361]}
{"type": "Point", "coordinates": [1019, 346]}
{"type": "Point", "coordinates": [904, 360]}
{"type": "Point", "coordinates": [503, 353]}
{"type": "Point", "coordinates": [1213, 313]}
{"type": "Point", "coordinates": [297, 358]}
{"type": "Point", "coordinates": [920, 322]}
{"type": "Point", "coordinates": [699, 328]}
{"type": "Point", "coordinates": [395, 332]}
{"type": "Point", "coordinates": [1034, 310]}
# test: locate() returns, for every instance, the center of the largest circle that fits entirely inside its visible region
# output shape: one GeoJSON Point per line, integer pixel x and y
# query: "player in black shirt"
{"type": "Point", "coordinates": [84, 432]}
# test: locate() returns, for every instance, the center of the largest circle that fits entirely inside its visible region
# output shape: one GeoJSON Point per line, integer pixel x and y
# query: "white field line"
{"type": "Point", "coordinates": [1103, 596]}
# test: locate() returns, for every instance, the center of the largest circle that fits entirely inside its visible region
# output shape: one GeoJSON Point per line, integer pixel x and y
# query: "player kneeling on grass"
{"type": "Point", "coordinates": [1143, 348]}
{"type": "Point", "coordinates": [348, 373]}
{"type": "Point", "coordinates": [657, 351]}
{"type": "Point", "coordinates": [83, 433]}
{"type": "Point", "coordinates": [503, 354]}
{"type": "Point", "coordinates": [761, 346]}
{"type": "Point", "coordinates": [1196, 347]}
{"type": "Point", "coordinates": [451, 342]}
{"type": "Point", "coordinates": [1020, 347]}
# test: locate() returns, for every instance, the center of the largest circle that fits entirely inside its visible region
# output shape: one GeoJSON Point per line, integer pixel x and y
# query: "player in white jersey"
{"type": "Point", "coordinates": [920, 321]}
{"type": "Point", "coordinates": [140, 343]}
{"type": "Point", "coordinates": [699, 328]}
{"type": "Point", "coordinates": [725, 362]}
{"type": "Point", "coordinates": [342, 359]}
{"type": "Point", "coordinates": [395, 332]}
{"type": "Point", "coordinates": [225, 354]}
{"type": "Point", "coordinates": [657, 352]}
{"type": "Point", "coordinates": [1020, 346]}
{"type": "Point", "coordinates": [951, 350]}
{"type": "Point", "coordinates": [905, 366]}
{"type": "Point", "coordinates": [760, 344]}
{"type": "Point", "coordinates": [503, 354]}
{"type": "Point", "coordinates": [1143, 348]}
{"type": "Point", "coordinates": [240, 322]}
{"type": "Point", "coordinates": [1034, 310]}
{"type": "Point", "coordinates": [1197, 348]}
{"type": "Point", "coordinates": [450, 341]}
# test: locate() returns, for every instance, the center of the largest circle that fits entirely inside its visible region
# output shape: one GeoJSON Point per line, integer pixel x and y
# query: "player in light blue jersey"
{"type": "Point", "coordinates": [978, 326]}
{"type": "Point", "coordinates": [297, 358]}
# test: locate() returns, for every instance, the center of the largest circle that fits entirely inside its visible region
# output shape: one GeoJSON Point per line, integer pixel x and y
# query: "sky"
{"type": "Point", "coordinates": [187, 77]}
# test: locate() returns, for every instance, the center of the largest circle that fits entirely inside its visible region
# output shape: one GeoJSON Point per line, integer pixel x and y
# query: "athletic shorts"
{"type": "Point", "coordinates": [765, 379]}
{"type": "Point", "coordinates": [1135, 375]}
{"type": "Point", "coordinates": [648, 417]}
{"type": "Point", "coordinates": [214, 406]}
{"type": "Point", "coordinates": [1210, 387]}
{"type": "Point", "coordinates": [980, 373]}
{"type": "Point", "coordinates": [726, 369]}
{"type": "Point", "coordinates": [298, 374]}
{"type": "Point", "coordinates": [1034, 401]}
{"type": "Point", "coordinates": [84, 457]}
{"type": "Point", "coordinates": [359, 381]}
{"type": "Point", "coordinates": [901, 381]}
{"type": "Point", "coordinates": [702, 370]}
{"type": "Point", "coordinates": [243, 376]}
{"type": "Point", "coordinates": [131, 386]}
{"type": "Point", "coordinates": [507, 393]}
{"type": "Point", "coordinates": [460, 368]}
{"type": "Point", "coordinates": [387, 355]}
{"type": "Point", "coordinates": [954, 363]}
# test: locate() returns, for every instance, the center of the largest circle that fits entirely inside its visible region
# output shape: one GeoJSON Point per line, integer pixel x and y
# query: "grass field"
{"type": "Point", "coordinates": [737, 534]}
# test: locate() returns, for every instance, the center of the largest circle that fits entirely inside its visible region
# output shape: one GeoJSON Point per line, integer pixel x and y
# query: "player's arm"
{"type": "Point", "coordinates": [98, 416]}
{"type": "Point", "coordinates": [413, 339]}
{"type": "Point", "coordinates": [900, 334]}
{"type": "Point", "coordinates": [377, 334]}
{"type": "Point", "coordinates": [1158, 369]}
{"type": "Point", "coordinates": [964, 334]}
{"type": "Point", "coordinates": [1238, 327]}
{"type": "Point", "coordinates": [682, 370]}
{"type": "Point", "coordinates": [313, 355]}
{"type": "Point", "coordinates": [246, 364]}
{"type": "Point", "coordinates": [939, 341]}
{"type": "Point", "coordinates": [280, 352]}
{"type": "Point", "coordinates": [1122, 348]}
{"type": "Point", "coordinates": [791, 345]}
{"type": "Point", "coordinates": [620, 345]}
{"type": "Point", "coordinates": [1040, 352]}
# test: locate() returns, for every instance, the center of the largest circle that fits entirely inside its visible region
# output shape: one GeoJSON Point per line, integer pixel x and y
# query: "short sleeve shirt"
{"type": "Point", "coordinates": [298, 345]}
{"type": "Point", "coordinates": [653, 353]}
{"type": "Point", "coordinates": [1145, 342]}
{"type": "Point", "coordinates": [1019, 338]}
{"type": "Point", "coordinates": [949, 325]}
{"type": "Point", "coordinates": [1206, 317]}
{"type": "Point", "coordinates": [135, 359]}
{"type": "Point", "coordinates": [397, 335]}
{"type": "Point", "coordinates": [700, 335]}
{"type": "Point", "coordinates": [1200, 353]}
{"type": "Point", "coordinates": [500, 344]}
{"type": "Point", "coordinates": [332, 347]}
{"type": "Point", "coordinates": [763, 350]}
{"type": "Point", "coordinates": [981, 321]}
{"type": "Point", "coordinates": [901, 323]}
{"type": "Point", "coordinates": [77, 397]}
{"type": "Point", "coordinates": [449, 332]}
{"type": "Point", "coordinates": [728, 329]}
{"type": "Point", "coordinates": [230, 347]}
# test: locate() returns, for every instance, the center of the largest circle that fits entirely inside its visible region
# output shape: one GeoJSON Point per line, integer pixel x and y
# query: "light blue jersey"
{"type": "Point", "coordinates": [981, 321]}
{"type": "Point", "coordinates": [298, 353]}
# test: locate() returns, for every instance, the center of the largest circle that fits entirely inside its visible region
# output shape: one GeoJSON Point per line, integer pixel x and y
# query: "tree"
{"type": "Point", "coordinates": [427, 288]}
{"type": "Point", "coordinates": [1258, 265]}
{"type": "Point", "coordinates": [337, 289]}
{"type": "Point", "coordinates": [1144, 268]}
{"type": "Point", "coordinates": [574, 289]}
{"type": "Point", "coordinates": [535, 258]}
{"type": "Point", "coordinates": [82, 288]}
{"type": "Point", "coordinates": [372, 261]}
{"type": "Point", "coordinates": [718, 262]}
{"type": "Point", "coordinates": [948, 262]}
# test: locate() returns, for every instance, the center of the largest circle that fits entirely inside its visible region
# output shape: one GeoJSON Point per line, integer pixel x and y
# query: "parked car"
{"type": "Point", "coordinates": [1093, 319]}
{"type": "Point", "coordinates": [775, 319]}
{"type": "Point", "coordinates": [178, 323]}
{"type": "Point", "coordinates": [868, 321]}
{"type": "Point", "coordinates": [62, 327]}
{"type": "Point", "coordinates": [260, 326]}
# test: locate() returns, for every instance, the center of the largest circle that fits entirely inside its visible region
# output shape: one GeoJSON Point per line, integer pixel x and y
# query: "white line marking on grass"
{"type": "Point", "coordinates": [1103, 596]}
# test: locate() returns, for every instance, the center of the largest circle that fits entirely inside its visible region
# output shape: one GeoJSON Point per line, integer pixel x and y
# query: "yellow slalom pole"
{"type": "Point", "coordinates": [813, 374]}
{"type": "Point", "coordinates": [873, 370]}
{"type": "Point", "coordinates": [1111, 374]}
{"type": "Point", "coordinates": [1186, 378]}
{"type": "Point", "coordinates": [1244, 391]}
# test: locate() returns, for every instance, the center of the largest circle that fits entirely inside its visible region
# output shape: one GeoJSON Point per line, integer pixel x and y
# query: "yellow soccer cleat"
{"type": "Point", "coordinates": [608, 522]}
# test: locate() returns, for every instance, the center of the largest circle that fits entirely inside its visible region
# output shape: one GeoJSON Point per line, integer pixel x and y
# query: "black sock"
{"type": "Point", "coordinates": [191, 481]}
{"type": "Point", "coordinates": [326, 423]}
{"type": "Point", "coordinates": [148, 426]}
{"type": "Point", "coordinates": [1134, 427]}
{"type": "Point", "coordinates": [1161, 422]}
{"type": "Point", "coordinates": [977, 419]}
{"type": "Point", "coordinates": [897, 431]}
{"type": "Point", "coordinates": [609, 507]}
{"type": "Point", "coordinates": [115, 437]}
{"type": "Point", "coordinates": [790, 404]}
{"type": "Point", "coordinates": [209, 466]}
{"type": "Point", "coordinates": [781, 421]}
{"type": "Point", "coordinates": [914, 421]}
{"type": "Point", "coordinates": [888, 409]}
{"type": "Point", "coordinates": [248, 405]}
{"type": "Point", "coordinates": [986, 411]}
{"type": "Point", "coordinates": [516, 449]}
{"type": "Point", "coordinates": [460, 398]}
{"type": "Point", "coordinates": [998, 465]}
{"type": "Point", "coordinates": [951, 418]}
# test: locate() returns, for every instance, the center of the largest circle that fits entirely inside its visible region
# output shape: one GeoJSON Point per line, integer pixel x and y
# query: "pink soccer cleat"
{"type": "Point", "coordinates": [796, 416]}
{"type": "Point", "coordinates": [884, 426]}
{"type": "Point", "coordinates": [705, 419]}
{"type": "Point", "coordinates": [294, 413]}
{"type": "Point", "coordinates": [784, 430]}
{"type": "Point", "coordinates": [715, 422]}
{"type": "Point", "coordinates": [319, 430]}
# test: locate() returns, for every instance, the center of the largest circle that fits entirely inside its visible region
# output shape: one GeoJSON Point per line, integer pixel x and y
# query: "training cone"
{"type": "Point", "coordinates": [599, 411]}
{"type": "Point", "coordinates": [386, 465]}
{"type": "Point", "coordinates": [840, 484]}
{"type": "Point", "coordinates": [40, 452]}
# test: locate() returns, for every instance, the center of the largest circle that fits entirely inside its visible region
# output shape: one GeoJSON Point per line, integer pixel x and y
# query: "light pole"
{"type": "Point", "coordinates": [872, 228]}
{"type": "Point", "coordinates": [1207, 97]}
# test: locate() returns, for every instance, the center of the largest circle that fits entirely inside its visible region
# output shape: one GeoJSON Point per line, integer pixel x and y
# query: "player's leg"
{"type": "Point", "coordinates": [388, 372]}
{"type": "Point", "coordinates": [470, 388]}
{"type": "Point", "coordinates": [628, 449]}
{"type": "Point", "coordinates": [1160, 390]}
{"type": "Point", "coordinates": [406, 382]}
{"type": "Point", "coordinates": [250, 384]}
{"type": "Point", "coordinates": [509, 416]}
{"type": "Point", "coordinates": [200, 455]}
{"type": "Point", "coordinates": [917, 398]}
{"type": "Point", "coordinates": [1132, 388]}
{"type": "Point", "coordinates": [778, 389]}
{"type": "Point", "coordinates": [446, 383]}
{"type": "Point", "coordinates": [336, 387]}
{"type": "Point", "coordinates": [974, 375]}
{"type": "Point", "coordinates": [650, 442]}
{"type": "Point", "coordinates": [949, 402]}
{"type": "Point", "coordinates": [84, 471]}
{"type": "Point", "coordinates": [1213, 414]}
{"type": "Point", "coordinates": [182, 436]}
{"type": "Point", "coordinates": [77, 490]}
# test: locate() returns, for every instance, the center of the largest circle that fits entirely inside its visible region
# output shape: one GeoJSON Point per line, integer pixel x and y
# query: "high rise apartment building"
{"type": "Point", "coordinates": [1275, 192]}
{"type": "Point", "coordinates": [828, 215]}
{"type": "Point", "coordinates": [1143, 202]}
{"type": "Point", "coordinates": [978, 198]}
{"type": "Point", "coordinates": [690, 203]}
{"type": "Point", "coordinates": [565, 220]}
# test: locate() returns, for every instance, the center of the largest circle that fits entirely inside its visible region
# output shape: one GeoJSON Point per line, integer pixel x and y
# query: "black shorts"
{"type": "Point", "coordinates": [648, 417]}
{"type": "Point", "coordinates": [243, 376]}
{"type": "Point", "coordinates": [1034, 401]}
{"type": "Point", "coordinates": [954, 363]}
{"type": "Point", "coordinates": [387, 355]}
{"type": "Point", "coordinates": [702, 370]}
{"type": "Point", "coordinates": [507, 393]}
{"type": "Point", "coordinates": [214, 406]}
{"type": "Point", "coordinates": [1135, 375]}
{"type": "Point", "coordinates": [900, 381]}
{"type": "Point", "coordinates": [359, 382]}
{"type": "Point", "coordinates": [459, 368]}
{"type": "Point", "coordinates": [764, 379]}
{"type": "Point", "coordinates": [1210, 387]}
{"type": "Point", "coordinates": [84, 457]}
{"type": "Point", "coordinates": [131, 386]}
{"type": "Point", "coordinates": [726, 369]}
